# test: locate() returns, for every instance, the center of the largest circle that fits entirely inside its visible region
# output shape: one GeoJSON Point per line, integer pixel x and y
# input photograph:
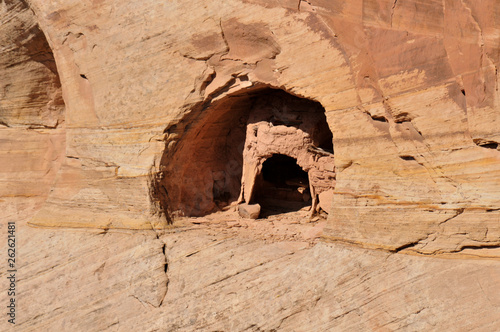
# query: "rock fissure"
{"type": "Point", "coordinates": [224, 38]}
{"type": "Point", "coordinates": [165, 269]}
{"type": "Point", "coordinates": [158, 231]}
{"type": "Point", "coordinates": [408, 158]}
{"type": "Point", "coordinates": [284, 319]}
{"type": "Point", "coordinates": [457, 213]}
{"type": "Point", "coordinates": [479, 246]}
{"type": "Point", "coordinates": [392, 10]}
{"type": "Point", "coordinates": [409, 245]}
{"type": "Point", "coordinates": [485, 143]}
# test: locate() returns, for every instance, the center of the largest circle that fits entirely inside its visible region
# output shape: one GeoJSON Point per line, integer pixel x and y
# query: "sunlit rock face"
{"type": "Point", "coordinates": [119, 117]}
{"type": "Point", "coordinates": [410, 96]}
{"type": "Point", "coordinates": [32, 128]}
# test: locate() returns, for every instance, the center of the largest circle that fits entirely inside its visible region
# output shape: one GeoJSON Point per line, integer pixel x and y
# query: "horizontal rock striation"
{"type": "Point", "coordinates": [117, 118]}
{"type": "Point", "coordinates": [410, 95]}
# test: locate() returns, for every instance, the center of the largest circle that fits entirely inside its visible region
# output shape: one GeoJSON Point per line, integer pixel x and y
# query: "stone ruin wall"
{"type": "Point", "coordinates": [291, 127]}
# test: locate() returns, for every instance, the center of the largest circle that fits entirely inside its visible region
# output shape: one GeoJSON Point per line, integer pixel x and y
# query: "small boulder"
{"type": "Point", "coordinates": [251, 211]}
{"type": "Point", "coordinates": [325, 200]}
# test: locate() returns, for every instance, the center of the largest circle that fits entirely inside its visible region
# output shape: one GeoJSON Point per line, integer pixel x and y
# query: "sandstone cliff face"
{"type": "Point", "coordinates": [115, 115]}
{"type": "Point", "coordinates": [31, 112]}
{"type": "Point", "coordinates": [410, 96]}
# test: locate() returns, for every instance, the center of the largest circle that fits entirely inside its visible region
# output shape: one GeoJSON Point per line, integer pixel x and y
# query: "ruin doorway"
{"type": "Point", "coordinates": [281, 186]}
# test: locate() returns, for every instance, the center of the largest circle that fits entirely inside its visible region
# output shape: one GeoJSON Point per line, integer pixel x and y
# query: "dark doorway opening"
{"type": "Point", "coordinates": [282, 186]}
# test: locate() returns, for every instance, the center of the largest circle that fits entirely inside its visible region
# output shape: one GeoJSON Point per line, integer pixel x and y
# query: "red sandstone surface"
{"type": "Point", "coordinates": [367, 130]}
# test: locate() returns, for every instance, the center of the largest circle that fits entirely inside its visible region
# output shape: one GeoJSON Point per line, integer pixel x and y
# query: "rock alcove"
{"type": "Point", "coordinates": [260, 145]}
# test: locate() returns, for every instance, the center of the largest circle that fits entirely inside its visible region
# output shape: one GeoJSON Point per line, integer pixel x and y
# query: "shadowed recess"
{"type": "Point", "coordinates": [30, 89]}
{"type": "Point", "coordinates": [201, 169]}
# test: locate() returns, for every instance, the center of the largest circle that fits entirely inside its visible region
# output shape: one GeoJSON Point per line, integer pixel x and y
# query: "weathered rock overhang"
{"type": "Point", "coordinates": [31, 95]}
{"type": "Point", "coordinates": [220, 152]}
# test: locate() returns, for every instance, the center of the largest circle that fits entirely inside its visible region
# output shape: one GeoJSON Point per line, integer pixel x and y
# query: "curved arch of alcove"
{"type": "Point", "coordinates": [208, 153]}
{"type": "Point", "coordinates": [31, 94]}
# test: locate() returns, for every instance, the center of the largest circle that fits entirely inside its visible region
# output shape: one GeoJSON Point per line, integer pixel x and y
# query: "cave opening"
{"type": "Point", "coordinates": [242, 148]}
{"type": "Point", "coordinates": [282, 186]}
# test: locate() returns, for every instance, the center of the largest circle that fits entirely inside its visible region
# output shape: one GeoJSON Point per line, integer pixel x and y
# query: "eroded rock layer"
{"type": "Point", "coordinates": [119, 117]}
{"type": "Point", "coordinates": [410, 93]}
